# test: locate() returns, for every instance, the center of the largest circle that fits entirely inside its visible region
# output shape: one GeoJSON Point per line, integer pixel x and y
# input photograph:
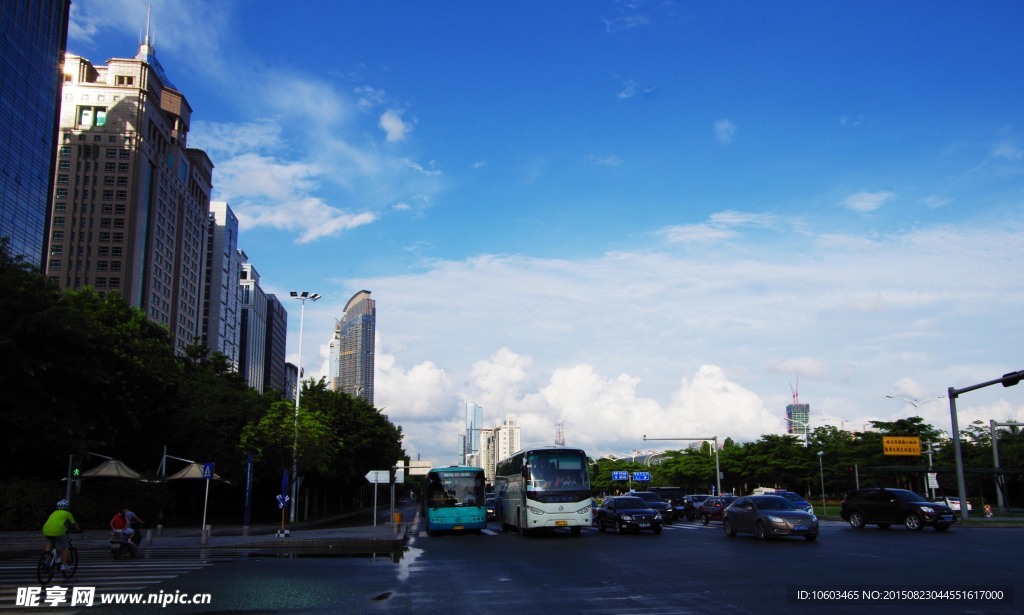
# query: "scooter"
{"type": "Point", "coordinates": [121, 543]}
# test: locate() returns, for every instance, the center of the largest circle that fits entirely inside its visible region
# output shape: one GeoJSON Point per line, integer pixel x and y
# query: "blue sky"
{"type": "Point", "coordinates": [633, 217]}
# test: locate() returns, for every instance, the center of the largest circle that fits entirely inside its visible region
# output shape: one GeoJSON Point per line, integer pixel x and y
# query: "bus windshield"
{"type": "Point", "coordinates": [557, 471]}
{"type": "Point", "coordinates": [455, 488]}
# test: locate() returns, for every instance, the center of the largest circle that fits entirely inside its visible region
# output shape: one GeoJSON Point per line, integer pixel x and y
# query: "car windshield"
{"type": "Point", "coordinates": [773, 502]}
{"type": "Point", "coordinates": [630, 502]}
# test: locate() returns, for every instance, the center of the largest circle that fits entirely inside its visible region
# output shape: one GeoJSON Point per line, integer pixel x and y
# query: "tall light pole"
{"type": "Point", "coordinates": [303, 297]}
{"type": "Point", "coordinates": [821, 468]}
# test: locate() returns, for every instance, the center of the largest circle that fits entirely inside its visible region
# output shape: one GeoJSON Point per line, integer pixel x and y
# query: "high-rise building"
{"type": "Point", "coordinates": [506, 438]}
{"type": "Point", "coordinates": [352, 350]}
{"type": "Point", "coordinates": [274, 378]}
{"type": "Point", "coordinates": [485, 458]}
{"type": "Point", "coordinates": [798, 418]}
{"type": "Point", "coordinates": [33, 35]}
{"type": "Point", "coordinates": [222, 293]}
{"type": "Point", "coordinates": [252, 329]}
{"type": "Point", "coordinates": [131, 199]}
{"type": "Point", "coordinates": [474, 423]}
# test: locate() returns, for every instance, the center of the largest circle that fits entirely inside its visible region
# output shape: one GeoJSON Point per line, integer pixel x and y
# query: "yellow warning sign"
{"type": "Point", "coordinates": [901, 445]}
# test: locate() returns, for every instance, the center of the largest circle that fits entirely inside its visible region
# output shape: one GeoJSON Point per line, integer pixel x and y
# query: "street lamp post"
{"type": "Point", "coordinates": [821, 468]}
{"type": "Point", "coordinates": [303, 297]}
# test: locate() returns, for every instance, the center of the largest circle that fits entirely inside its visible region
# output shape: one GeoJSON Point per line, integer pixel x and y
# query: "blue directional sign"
{"type": "Point", "coordinates": [642, 476]}
{"type": "Point", "coordinates": [208, 470]}
{"type": "Point", "coordinates": [620, 475]}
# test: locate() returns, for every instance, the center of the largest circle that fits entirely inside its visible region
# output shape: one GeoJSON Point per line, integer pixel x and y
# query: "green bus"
{"type": "Point", "coordinates": [453, 500]}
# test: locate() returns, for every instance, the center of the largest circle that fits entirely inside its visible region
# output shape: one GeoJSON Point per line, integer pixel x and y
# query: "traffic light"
{"type": "Point", "coordinates": [1012, 378]}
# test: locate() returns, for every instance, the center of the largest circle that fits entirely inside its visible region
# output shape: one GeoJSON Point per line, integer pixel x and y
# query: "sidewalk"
{"type": "Point", "coordinates": [379, 538]}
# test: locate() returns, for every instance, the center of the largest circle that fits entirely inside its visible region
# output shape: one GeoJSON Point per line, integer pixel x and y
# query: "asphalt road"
{"type": "Point", "coordinates": [687, 569]}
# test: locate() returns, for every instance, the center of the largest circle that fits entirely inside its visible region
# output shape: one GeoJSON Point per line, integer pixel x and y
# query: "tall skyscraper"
{"type": "Point", "coordinates": [33, 35]}
{"type": "Point", "coordinates": [352, 350]}
{"type": "Point", "coordinates": [798, 418]}
{"type": "Point", "coordinates": [506, 438]}
{"type": "Point", "coordinates": [131, 199]}
{"type": "Point", "coordinates": [474, 423]}
{"type": "Point", "coordinates": [252, 330]}
{"type": "Point", "coordinates": [274, 378]}
{"type": "Point", "coordinates": [222, 293]}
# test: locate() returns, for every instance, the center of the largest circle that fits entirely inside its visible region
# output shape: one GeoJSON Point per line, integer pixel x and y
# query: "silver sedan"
{"type": "Point", "coordinates": [766, 516]}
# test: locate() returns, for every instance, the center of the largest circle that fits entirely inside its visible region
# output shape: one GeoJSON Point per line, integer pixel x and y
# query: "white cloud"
{"type": "Point", "coordinates": [865, 202]}
{"type": "Point", "coordinates": [394, 126]}
{"type": "Point", "coordinates": [1007, 150]}
{"type": "Point", "coordinates": [608, 161]}
{"type": "Point", "coordinates": [725, 130]}
{"type": "Point", "coordinates": [642, 342]}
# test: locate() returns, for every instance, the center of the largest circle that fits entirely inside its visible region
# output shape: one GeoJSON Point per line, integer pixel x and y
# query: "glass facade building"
{"type": "Point", "coordinates": [33, 37]}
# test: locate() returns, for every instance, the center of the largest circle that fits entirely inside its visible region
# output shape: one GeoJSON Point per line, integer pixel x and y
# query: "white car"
{"type": "Point", "coordinates": [953, 503]}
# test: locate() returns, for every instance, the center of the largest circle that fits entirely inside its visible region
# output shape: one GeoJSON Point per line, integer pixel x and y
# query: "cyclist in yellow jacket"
{"type": "Point", "coordinates": [55, 530]}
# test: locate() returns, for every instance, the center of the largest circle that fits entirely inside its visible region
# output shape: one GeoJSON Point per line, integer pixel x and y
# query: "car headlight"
{"type": "Point", "coordinates": [626, 517]}
{"type": "Point", "coordinates": [927, 509]}
{"type": "Point", "coordinates": [657, 516]}
{"type": "Point", "coordinates": [775, 519]}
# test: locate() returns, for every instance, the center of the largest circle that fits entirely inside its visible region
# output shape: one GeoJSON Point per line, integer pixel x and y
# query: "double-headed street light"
{"type": "Point", "coordinates": [303, 297]}
{"type": "Point", "coordinates": [806, 427]}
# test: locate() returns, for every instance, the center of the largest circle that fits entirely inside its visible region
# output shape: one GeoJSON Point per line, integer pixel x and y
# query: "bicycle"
{"type": "Point", "coordinates": [49, 562]}
{"type": "Point", "coordinates": [120, 543]}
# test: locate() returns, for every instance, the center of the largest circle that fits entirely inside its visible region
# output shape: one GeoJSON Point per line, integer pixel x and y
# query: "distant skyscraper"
{"type": "Point", "coordinates": [474, 423]}
{"type": "Point", "coordinates": [252, 330]}
{"type": "Point", "coordinates": [33, 34]}
{"type": "Point", "coordinates": [131, 199]}
{"type": "Point", "coordinates": [274, 378]}
{"type": "Point", "coordinates": [506, 438]}
{"type": "Point", "coordinates": [352, 351]}
{"type": "Point", "coordinates": [799, 418]}
{"type": "Point", "coordinates": [223, 292]}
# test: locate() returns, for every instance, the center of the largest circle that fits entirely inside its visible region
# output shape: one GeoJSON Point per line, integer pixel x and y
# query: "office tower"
{"type": "Point", "coordinates": [222, 292]}
{"type": "Point", "coordinates": [276, 342]}
{"type": "Point", "coordinates": [33, 34]}
{"type": "Point", "coordinates": [352, 352]}
{"type": "Point", "coordinates": [131, 199]}
{"type": "Point", "coordinates": [252, 329]}
{"type": "Point", "coordinates": [486, 456]}
{"type": "Point", "coordinates": [461, 445]}
{"type": "Point", "coordinates": [797, 418]}
{"type": "Point", "coordinates": [474, 423]}
{"type": "Point", "coordinates": [506, 438]}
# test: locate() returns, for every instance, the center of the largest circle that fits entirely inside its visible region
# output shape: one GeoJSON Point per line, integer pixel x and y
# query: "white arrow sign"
{"type": "Point", "coordinates": [378, 476]}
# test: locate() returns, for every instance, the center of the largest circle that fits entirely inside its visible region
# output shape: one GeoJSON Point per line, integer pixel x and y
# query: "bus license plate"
{"type": "Point", "coordinates": [458, 527]}
{"type": "Point", "coordinates": [561, 523]}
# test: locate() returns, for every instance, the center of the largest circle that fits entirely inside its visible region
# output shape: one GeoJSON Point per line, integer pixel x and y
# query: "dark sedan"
{"type": "Point", "coordinates": [767, 516]}
{"type": "Point", "coordinates": [492, 509]}
{"type": "Point", "coordinates": [627, 513]}
{"type": "Point", "coordinates": [659, 504]}
{"type": "Point", "coordinates": [713, 507]}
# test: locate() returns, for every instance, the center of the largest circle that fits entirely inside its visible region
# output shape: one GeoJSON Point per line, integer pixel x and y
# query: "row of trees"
{"type": "Point", "coordinates": [848, 458]}
{"type": "Point", "coordinates": [85, 374]}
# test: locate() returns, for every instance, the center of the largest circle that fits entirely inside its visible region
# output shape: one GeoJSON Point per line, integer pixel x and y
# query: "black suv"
{"type": "Point", "coordinates": [658, 503]}
{"type": "Point", "coordinates": [885, 507]}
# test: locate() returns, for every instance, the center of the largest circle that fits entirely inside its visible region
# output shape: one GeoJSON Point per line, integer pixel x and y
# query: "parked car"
{"type": "Point", "coordinates": [659, 504]}
{"type": "Point", "coordinates": [690, 505]}
{"type": "Point", "coordinates": [953, 503]}
{"type": "Point", "coordinates": [713, 507]}
{"type": "Point", "coordinates": [767, 516]}
{"type": "Point", "coordinates": [885, 507]}
{"type": "Point", "coordinates": [627, 513]}
{"type": "Point", "coordinates": [492, 509]}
